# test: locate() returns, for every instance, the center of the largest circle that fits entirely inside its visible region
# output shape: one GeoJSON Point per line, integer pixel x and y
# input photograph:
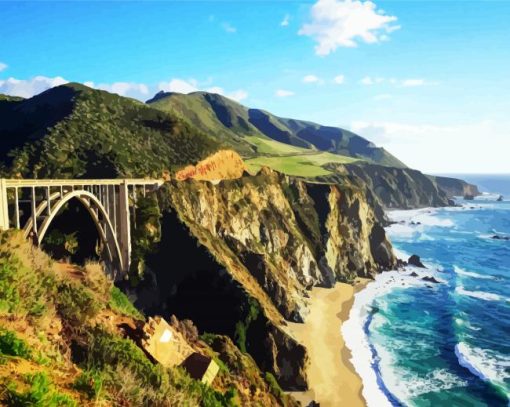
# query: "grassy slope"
{"type": "Point", "coordinates": [63, 343]}
{"type": "Point", "coordinates": [254, 132]}
{"type": "Point", "coordinates": [75, 131]}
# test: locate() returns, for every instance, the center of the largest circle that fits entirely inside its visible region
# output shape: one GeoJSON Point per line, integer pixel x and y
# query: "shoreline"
{"type": "Point", "coordinates": [332, 378]}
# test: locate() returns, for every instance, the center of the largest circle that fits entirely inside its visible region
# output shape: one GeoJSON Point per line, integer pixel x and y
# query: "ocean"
{"type": "Point", "coordinates": [422, 343]}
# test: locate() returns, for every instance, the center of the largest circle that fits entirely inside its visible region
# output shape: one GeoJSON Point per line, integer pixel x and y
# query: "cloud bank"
{"type": "Point", "coordinates": [29, 87]}
{"type": "Point", "coordinates": [346, 23]}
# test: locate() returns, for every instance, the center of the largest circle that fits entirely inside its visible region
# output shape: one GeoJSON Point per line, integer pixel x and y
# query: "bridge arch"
{"type": "Point", "coordinates": [108, 201]}
{"type": "Point", "coordinates": [100, 218]}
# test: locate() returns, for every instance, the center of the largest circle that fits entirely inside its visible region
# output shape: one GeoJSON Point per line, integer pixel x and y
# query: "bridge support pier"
{"type": "Point", "coordinates": [124, 232]}
{"type": "Point", "coordinates": [4, 205]}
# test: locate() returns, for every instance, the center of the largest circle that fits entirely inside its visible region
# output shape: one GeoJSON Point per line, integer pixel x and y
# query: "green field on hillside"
{"type": "Point", "coordinates": [273, 147]}
{"type": "Point", "coordinates": [301, 165]}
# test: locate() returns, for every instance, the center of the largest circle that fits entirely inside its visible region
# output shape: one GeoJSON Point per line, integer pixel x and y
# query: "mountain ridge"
{"type": "Point", "coordinates": [213, 112]}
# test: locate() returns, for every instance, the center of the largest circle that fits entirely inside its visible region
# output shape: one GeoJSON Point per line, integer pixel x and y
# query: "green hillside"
{"type": "Point", "coordinates": [75, 131]}
{"type": "Point", "coordinates": [245, 129]}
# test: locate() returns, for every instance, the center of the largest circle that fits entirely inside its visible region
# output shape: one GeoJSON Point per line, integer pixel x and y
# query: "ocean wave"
{"type": "Point", "coordinates": [463, 272]}
{"type": "Point", "coordinates": [487, 365]}
{"type": "Point", "coordinates": [482, 295]}
{"type": "Point", "coordinates": [353, 331]}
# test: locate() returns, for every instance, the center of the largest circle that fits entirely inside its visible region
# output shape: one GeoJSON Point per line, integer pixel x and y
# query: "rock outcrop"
{"type": "Point", "coordinates": [394, 188]}
{"type": "Point", "coordinates": [279, 236]}
{"type": "Point", "coordinates": [276, 237]}
{"type": "Point", "coordinates": [456, 187]}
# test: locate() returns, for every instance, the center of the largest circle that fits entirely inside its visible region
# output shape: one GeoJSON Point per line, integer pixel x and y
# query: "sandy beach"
{"type": "Point", "coordinates": [331, 376]}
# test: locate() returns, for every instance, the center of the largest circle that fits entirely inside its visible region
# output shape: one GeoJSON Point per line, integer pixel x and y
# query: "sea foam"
{"type": "Point", "coordinates": [353, 331]}
{"type": "Point", "coordinates": [463, 272]}
{"type": "Point", "coordinates": [481, 295]}
{"type": "Point", "coordinates": [487, 365]}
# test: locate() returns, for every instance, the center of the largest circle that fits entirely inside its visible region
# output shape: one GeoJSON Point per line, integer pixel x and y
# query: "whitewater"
{"type": "Point", "coordinates": [419, 343]}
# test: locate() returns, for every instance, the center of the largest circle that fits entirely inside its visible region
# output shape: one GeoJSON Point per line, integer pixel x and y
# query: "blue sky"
{"type": "Point", "coordinates": [428, 80]}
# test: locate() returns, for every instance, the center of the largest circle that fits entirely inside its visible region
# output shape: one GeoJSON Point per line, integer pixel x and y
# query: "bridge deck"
{"type": "Point", "coordinates": [11, 183]}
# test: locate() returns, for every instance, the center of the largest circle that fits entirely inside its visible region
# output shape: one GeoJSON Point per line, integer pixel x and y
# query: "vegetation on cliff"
{"type": "Point", "coordinates": [76, 131]}
{"type": "Point", "coordinates": [66, 339]}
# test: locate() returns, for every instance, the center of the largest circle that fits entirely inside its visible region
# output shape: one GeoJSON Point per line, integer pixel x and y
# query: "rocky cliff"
{"type": "Point", "coordinates": [276, 237]}
{"type": "Point", "coordinates": [401, 188]}
{"type": "Point", "coordinates": [456, 187]}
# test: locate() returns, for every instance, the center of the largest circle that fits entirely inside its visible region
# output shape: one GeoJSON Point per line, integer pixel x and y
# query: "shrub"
{"type": "Point", "coordinates": [274, 387]}
{"type": "Point", "coordinates": [22, 290]}
{"type": "Point", "coordinates": [76, 304]}
{"type": "Point", "coordinates": [90, 382]}
{"type": "Point", "coordinates": [121, 303]}
{"type": "Point", "coordinates": [11, 345]}
{"type": "Point", "coordinates": [41, 393]}
{"type": "Point", "coordinates": [107, 350]}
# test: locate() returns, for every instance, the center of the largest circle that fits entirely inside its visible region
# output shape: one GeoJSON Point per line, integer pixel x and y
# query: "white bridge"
{"type": "Point", "coordinates": [31, 205]}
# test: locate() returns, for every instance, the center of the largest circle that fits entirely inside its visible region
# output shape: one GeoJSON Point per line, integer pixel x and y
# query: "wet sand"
{"type": "Point", "coordinates": [331, 376]}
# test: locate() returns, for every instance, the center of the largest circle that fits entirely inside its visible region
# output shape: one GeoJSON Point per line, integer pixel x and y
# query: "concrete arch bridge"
{"type": "Point", "coordinates": [108, 202]}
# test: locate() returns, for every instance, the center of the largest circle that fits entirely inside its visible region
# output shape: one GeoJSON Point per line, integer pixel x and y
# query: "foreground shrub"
{"type": "Point", "coordinates": [121, 303]}
{"type": "Point", "coordinates": [90, 382]}
{"type": "Point", "coordinates": [76, 304]}
{"type": "Point", "coordinates": [11, 345]}
{"type": "Point", "coordinates": [41, 393]}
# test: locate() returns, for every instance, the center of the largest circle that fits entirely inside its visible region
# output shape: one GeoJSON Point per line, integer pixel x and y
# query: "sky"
{"type": "Point", "coordinates": [427, 80]}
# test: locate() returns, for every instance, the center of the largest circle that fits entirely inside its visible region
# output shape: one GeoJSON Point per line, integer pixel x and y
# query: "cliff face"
{"type": "Point", "coordinates": [271, 238]}
{"type": "Point", "coordinates": [279, 237]}
{"type": "Point", "coordinates": [401, 188]}
{"type": "Point", "coordinates": [456, 187]}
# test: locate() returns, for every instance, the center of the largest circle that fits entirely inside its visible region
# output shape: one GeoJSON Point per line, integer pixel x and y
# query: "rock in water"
{"type": "Point", "coordinates": [414, 260]}
{"type": "Point", "coordinates": [500, 198]}
{"type": "Point", "coordinates": [430, 280]}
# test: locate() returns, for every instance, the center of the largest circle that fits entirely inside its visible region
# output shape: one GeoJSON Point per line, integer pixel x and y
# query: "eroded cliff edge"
{"type": "Point", "coordinates": [276, 237]}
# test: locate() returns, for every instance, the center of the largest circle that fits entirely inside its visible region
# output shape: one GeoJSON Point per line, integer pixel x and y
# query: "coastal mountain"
{"type": "Point", "coordinates": [241, 127]}
{"type": "Point", "coordinates": [75, 131]}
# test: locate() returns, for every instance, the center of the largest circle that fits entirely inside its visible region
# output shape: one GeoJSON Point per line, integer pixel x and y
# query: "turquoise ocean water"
{"type": "Point", "coordinates": [418, 343]}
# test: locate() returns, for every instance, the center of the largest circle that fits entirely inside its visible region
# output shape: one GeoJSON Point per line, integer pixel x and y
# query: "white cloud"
{"type": "Point", "coordinates": [413, 82]}
{"type": "Point", "coordinates": [130, 89]}
{"type": "Point", "coordinates": [282, 93]}
{"type": "Point", "coordinates": [368, 81]}
{"type": "Point", "coordinates": [179, 86]}
{"type": "Point", "coordinates": [229, 28]}
{"type": "Point", "coordinates": [459, 148]}
{"type": "Point", "coordinates": [30, 87]}
{"type": "Point", "coordinates": [312, 79]}
{"type": "Point", "coordinates": [345, 23]}
{"type": "Point", "coordinates": [237, 95]}
{"type": "Point", "coordinates": [339, 79]}
{"type": "Point", "coordinates": [3, 66]}
{"type": "Point", "coordinates": [192, 85]}
{"type": "Point", "coordinates": [286, 20]}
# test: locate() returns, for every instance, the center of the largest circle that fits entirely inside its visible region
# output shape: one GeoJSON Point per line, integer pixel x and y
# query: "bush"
{"type": "Point", "coordinates": [273, 385]}
{"type": "Point", "coordinates": [41, 393]}
{"type": "Point", "coordinates": [108, 350]}
{"type": "Point", "coordinates": [89, 382]}
{"type": "Point", "coordinates": [76, 304]}
{"type": "Point", "coordinates": [22, 290]}
{"type": "Point", "coordinates": [11, 345]}
{"type": "Point", "coordinates": [121, 303]}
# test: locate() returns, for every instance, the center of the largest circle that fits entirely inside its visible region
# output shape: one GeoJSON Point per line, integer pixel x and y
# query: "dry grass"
{"type": "Point", "coordinates": [225, 164]}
